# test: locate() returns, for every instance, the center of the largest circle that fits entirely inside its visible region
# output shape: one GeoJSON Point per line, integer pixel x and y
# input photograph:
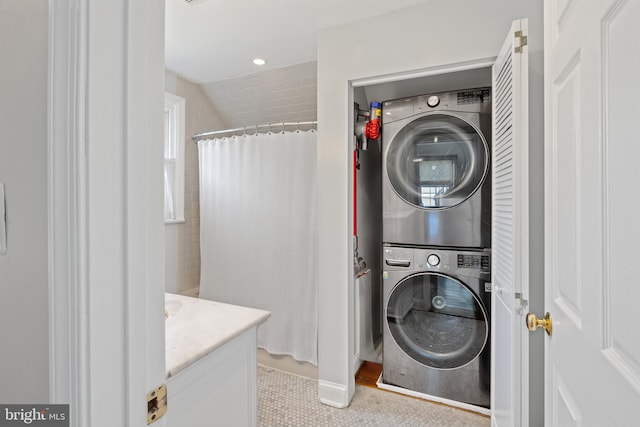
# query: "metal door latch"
{"type": "Point", "coordinates": [523, 303]}
{"type": "Point", "coordinates": [156, 404]}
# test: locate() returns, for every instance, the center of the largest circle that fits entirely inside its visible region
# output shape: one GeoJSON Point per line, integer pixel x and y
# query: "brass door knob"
{"type": "Point", "coordinates": [534, 323]}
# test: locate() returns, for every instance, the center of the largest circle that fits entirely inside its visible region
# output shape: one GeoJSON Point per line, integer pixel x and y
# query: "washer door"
{"type": "Point", "coordinates": [437, 161]}
{"type": "Point", "coordinates": [437, 320]}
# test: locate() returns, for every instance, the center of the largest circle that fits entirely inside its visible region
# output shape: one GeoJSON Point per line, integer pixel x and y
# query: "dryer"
{"type": "Point", "coordinates": [436, 328]}
{"type": "Point", "coordinates": [436, 187]}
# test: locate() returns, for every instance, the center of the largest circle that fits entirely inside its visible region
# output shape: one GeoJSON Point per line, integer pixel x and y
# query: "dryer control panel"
{"type": "Point", "coordinates": [476, 96]}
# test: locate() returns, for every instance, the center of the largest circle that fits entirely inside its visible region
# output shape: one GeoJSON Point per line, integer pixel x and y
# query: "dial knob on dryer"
{"type": "Point", "coordinates": [433, 260]}
{"type": "Point", "coordinates": [433, 101]}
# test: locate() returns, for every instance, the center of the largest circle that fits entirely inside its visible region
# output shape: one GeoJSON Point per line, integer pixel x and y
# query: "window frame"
{"type": "Point", "coordinates": [175, 107]}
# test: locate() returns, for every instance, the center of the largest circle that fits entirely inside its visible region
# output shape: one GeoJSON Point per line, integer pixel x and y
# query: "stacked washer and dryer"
{"type": "Point", "coordinates": [436, 197]}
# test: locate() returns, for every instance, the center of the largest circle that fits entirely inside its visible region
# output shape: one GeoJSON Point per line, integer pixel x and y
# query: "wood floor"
{"type": "Point", "coordinates": [368, 374]}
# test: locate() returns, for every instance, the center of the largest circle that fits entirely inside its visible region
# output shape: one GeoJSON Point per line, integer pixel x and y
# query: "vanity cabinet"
{"type": "Point", "coordinates": [211, 363]}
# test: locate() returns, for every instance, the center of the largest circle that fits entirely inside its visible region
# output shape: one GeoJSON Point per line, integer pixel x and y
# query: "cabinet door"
{"type": "Point", "coordinates": [218, 390]}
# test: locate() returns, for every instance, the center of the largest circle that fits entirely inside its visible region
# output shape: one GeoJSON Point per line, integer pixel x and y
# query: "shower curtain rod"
{"type": "Point", "coordinates": [283, 125]}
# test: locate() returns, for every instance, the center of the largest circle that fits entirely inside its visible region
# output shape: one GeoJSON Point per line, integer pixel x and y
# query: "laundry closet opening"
{"type": "Point", "coordinates": [370, 263]}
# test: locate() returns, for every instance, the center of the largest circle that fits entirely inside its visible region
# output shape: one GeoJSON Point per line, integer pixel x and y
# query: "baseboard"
{"type": "Point", "coordinates": [356, 362]}
{"type": "Point", "coordinates": [401, 390]}
{"type": "Point", "coordinates": [193, 292]}
{"type": "Point", "coordinates": [287, 364]}
{"type": "Point", "coordinates": [333, 394]}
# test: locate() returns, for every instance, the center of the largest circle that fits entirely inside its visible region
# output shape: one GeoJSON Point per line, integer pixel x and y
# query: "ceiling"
{"type": "Point", "coordinates": [212, 40]}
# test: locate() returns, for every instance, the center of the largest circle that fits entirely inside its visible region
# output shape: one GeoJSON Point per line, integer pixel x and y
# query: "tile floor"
{"type": "Point", "coordinates": [289, 400]}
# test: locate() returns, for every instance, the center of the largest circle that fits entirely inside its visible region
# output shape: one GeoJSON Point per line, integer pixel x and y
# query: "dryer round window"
{"type": "Point", "coordinates": [437, 161]}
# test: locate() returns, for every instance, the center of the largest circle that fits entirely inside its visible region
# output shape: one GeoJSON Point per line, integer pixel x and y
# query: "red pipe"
{"type": "Point", "coordinates": [355, 192]}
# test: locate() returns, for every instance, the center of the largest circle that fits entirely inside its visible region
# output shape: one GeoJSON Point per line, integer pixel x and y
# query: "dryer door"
{"type": "Point", "coordinates": [437, 161]}
{"type": "Point", "coordinates": [437, 321]}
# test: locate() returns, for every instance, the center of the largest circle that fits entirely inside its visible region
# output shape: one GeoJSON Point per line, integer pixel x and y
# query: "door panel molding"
{"type": "Point", "coordinates": [560, 15]}
{"type": "Point", "coordinates": [567, 413]}
{"type": "Point", "coordinates": [567, 289]}
{"type": "Point", "coordinates": [619, 33]}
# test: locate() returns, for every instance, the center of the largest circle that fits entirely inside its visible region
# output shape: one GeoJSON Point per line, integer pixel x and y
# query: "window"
{"type": "Point", "coordinates": [174, 108]}
{"type": "Point", "coordinates": [436, 177]}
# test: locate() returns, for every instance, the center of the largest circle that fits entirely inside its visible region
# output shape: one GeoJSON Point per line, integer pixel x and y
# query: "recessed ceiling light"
{"type": "Point", "coordinates": [259, 61]}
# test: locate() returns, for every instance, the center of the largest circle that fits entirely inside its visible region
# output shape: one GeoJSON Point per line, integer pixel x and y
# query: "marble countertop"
{"type": "Point", "coordinates": [197, 327]}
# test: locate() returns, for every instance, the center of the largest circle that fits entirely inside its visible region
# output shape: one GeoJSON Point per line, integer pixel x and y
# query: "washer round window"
{"type": "Point", "coordinates": [437, 321]}
{"type": "Point", "coordinates": [437, 161]}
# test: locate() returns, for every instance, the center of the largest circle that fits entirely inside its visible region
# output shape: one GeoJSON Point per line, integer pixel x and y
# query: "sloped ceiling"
{"type": "Point", "coordinates": [212, 40]}
{"type": "Point", "coordinates": [286, 94]}
{"type": "Point", "coordinates": [212, 43]}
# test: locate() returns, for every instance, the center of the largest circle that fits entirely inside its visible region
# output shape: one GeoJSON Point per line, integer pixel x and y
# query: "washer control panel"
{"type": "Point", "coordinates": [480, 262]}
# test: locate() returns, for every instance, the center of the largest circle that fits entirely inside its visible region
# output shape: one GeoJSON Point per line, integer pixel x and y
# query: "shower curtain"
{"type": "Point", "coordinates": [258, 233]}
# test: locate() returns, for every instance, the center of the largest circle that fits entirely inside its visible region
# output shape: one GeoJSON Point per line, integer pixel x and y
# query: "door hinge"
{"type": "Point", "coordinates": [523, 303]}
{"type": "Point", "coordinates": [520, 41]}
{"type": "Point", "coordinates": [156, 404]}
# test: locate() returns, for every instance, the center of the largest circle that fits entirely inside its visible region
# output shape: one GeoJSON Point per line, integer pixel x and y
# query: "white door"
{"type": "Point", "coordinates": [510, 225]}
{"type": "Point", "coordinates": [592, 64]}
{"type": "Point", "coordinates": [106, 208]}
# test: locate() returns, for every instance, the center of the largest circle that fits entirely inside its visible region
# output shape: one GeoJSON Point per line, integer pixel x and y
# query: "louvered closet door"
{"type": "Point", "coordinates": [510, 228]}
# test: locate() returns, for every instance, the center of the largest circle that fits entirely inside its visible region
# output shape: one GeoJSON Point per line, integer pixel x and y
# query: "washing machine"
{"type": "Point", "coordinates": [436, 328]}
{"type": "Point", "coordinates": [436, 187]}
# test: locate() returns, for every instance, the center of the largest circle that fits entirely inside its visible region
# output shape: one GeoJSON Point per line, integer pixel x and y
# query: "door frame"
{"type": "Point", "coordinates": [335, 394]}
{"type": "Point", "coordinates": [67, 236]}
{"type": "Point", "coordinates": [105, 222]}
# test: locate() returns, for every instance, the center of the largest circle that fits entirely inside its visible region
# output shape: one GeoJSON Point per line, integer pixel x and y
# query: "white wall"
{"type": "Point", "coordinates": [24, 358]}
{"type": "Point", "coordinates": [425, 37]}
{"type": "Point", "coordinates": [369, 216]}
{"type": "Point", "coordinates": [182, 241]}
